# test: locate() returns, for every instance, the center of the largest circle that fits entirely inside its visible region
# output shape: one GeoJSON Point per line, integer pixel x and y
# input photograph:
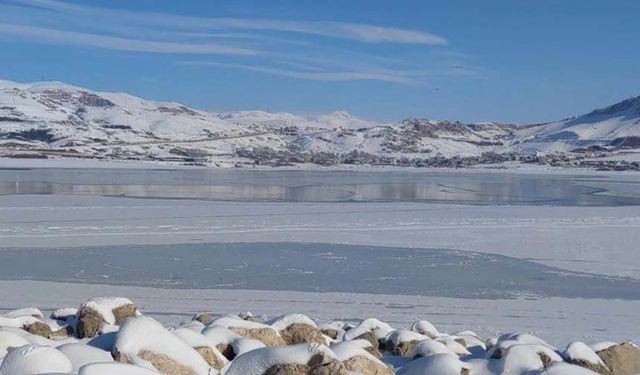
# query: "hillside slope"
{"type": "Point", "coordinates": [54, 119]}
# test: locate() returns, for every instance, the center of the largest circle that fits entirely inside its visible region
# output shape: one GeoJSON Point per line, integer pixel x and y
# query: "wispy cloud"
{"type": "Point", "coordinates": [340, 30]}
{"type": "Point", "coordinates": [314, 75]}
{"type": "Point", "coordinates": [117, 43]}
{"type": "Point", "coordinates": [302, 49]}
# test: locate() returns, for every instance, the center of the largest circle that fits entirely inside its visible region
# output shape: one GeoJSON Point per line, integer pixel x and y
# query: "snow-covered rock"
{"type": "Point", "coordinates": [10, 340]}
{"type": "Point", "coordinates": [507, 340]}
{"type": "Point", "coordinates": [203, 345]}
{"type": "Point", "coordinates": [441, 364]}
{"type": "Point", "coordinates": [581, 354]}
{"type": "Point", "coordinates": [32, 359]}
{"type": "Point", "coordinates": [243, 345]}
{"type": "Point", "coordinates": [356, 359]}
{"type": "Point", "coordinates": [145, 342]}
{"type": "Point", "coordinates": [621, 359]}
{"type": "Point", "coordinates": [105, 310]}
{"type": "Point", "coordinates": [298, 329]}
{"type": "Point", "coordinates": [402, 342]}
{"type": "Point", "coordinates": [80, 354]}
{"type": "Point", "coordinates": [258, 331]}
{"type": "Point", "coordinates": [311, 359]}
{"type": "Point", "coordinates": [27, 311]}
{"type": "Point", "coordinates": [523, 358]}
{"type": "Point", "coordinates": [426, 348]}
{"type": "Point", "coordinates": [425, 328]}
{"type": "Point", "coordinates": [369, 329]}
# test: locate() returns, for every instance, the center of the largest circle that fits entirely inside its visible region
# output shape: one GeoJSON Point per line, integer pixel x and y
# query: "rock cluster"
{"type": "Point", "coordinates": [111, 336]}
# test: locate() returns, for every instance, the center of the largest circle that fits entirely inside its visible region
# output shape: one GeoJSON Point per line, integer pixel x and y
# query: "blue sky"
{"type": "Point", "coordinates": [510, 60]}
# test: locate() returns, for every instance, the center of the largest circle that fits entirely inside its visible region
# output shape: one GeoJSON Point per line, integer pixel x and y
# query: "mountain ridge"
{"type": "Point", "coordinates": [56, 119]}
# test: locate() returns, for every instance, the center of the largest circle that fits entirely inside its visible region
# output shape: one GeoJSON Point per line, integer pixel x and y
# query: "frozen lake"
{"type": "Point", "coordinates": [478, 188]}
{"type": "Point", "coordinates": [495, 251]}
{"type": "Point", "coordinates": [310, 267]}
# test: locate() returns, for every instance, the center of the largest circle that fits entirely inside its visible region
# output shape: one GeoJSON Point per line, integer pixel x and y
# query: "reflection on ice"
{"type": "Point", "coordinates": [322, 186]}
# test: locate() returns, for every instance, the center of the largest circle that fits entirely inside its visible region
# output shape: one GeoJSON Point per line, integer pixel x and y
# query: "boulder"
{"type": "Point", "coordinates": [10, 340]}
{"type": "Point", "coordinates": [379, 330]}
{"type": "Point", "coordinates": [267, 336]}
{"type": "Point", "coordinates": [203, 318]}
{"type": "Point", "coordinates": [38, 328]}
{"type": "Point", "coordinates": [526, 358]}
{"type": "Point", "coordinates": [81, 354]}
{"type": "Point", "coordinates": [622, 359]}
{"type": "Point", "coordinates": [28, 311]}
{"type": "Point", "coordinates": [94, 312]}
{"type": "Point", "coordinates": [298, 333]}
{"type": "Point", "coordinates": [302, 359]}
{"type": "Point", "coordinates": [425, 328]}
{"type": "Point", "coordinates": [402, 342]}
{"type": "Point", "coordinates": [144, 339]}
{"type": "Point", "coordinates": [319, 364]}
{"type": "Point", "coordinates": [440, 364]}
{"type": "Point", "coordinates": [32, 359]}
{"type": "Point", "coordinates": [209, 354]}
{"type": "Point", "coordinates": [203, 345]}
{"type": "Point", "coordinates": [426, 348]}
{"type": "Point", "coordinates": [371, 337]}
{"type": "Point", "coordinates": [356, 359]}
{"type": "Point", "coordinates": [365, 366]}
{"type": "Point", "coordinates": [580, 354]}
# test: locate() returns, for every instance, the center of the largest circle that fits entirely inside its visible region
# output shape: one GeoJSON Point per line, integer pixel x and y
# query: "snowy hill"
{"type": "Point", "coordinates": [617, 125]}
{"type": "Point", "coordinates": [53, 119]}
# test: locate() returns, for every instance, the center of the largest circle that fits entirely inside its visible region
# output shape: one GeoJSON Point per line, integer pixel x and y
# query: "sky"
{"type": "Point", "coordinates": [515, 61]}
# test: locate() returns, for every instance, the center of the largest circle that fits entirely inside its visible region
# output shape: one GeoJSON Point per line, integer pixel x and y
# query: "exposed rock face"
{"type": "Point", "coordinates": [166, 365]}
{"type": "Point", "coordinates": [142, 338]}
{"type": "Point", "coordinates": [365, 366]}
{"type": "Point", "coordinates": [374, 351]}
{"type": "Point", "coordinates": [371, 337]}
{"type": "Point", "coordinates": [38, 328]}
{"type": "Point", "coordinates": [89, 320]}
{"type": "Point", "coordinates": [298, 333]}
{"type": "Point", "coordinates": [267, 336]}
{"type": "Point", "coordinates": [622, 359]}
{"type": "Point", "coordinates": [319, 364]}
{"type": "Point", "coordinates": [123, 312]}
{"type": "Point", "coordinates": [210, 357]}
{"type": "Point", "coordinates": [595, 367]}
{"type": "Point", "coordinates": [403, 349]}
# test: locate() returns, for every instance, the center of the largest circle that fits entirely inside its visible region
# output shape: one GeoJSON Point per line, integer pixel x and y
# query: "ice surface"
{"type": "Point", "coordinates": [312, 267]}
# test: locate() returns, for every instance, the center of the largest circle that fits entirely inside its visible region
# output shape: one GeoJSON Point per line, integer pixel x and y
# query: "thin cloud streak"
{"type": "Point", "coordinates": [315, 76]}
{"type": "Point", "coordinates": [340, 30]}
{"type": "Point", "coordinates": [42, 34]}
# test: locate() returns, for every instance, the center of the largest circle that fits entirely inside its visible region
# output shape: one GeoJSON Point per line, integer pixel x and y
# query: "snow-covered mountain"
{"type": "Point", "coordinates": [56, 119]}
{"type": "Point", "coordinates": [616, 126]}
